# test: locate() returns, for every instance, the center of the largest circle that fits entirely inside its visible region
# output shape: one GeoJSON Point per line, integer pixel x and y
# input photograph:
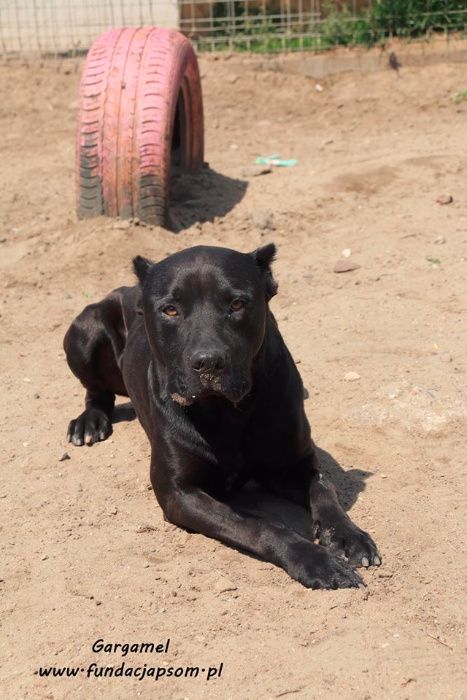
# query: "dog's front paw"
{"type": "Point", "coordinates": [347, 540]}
{"type": "Point", "coordinates": [91, 426]}
{"type": "Point", "coordinates": [316, 567]}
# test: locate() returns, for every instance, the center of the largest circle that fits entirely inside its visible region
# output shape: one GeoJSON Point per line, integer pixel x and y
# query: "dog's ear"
{"type": "Point", "coordinates": [264, 257]}
{"type": "Point", "coordinates": [141, 266]}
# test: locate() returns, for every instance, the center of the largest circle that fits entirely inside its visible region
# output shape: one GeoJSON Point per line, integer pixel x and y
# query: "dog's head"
{"type": "Point", "coordinates": [205, 312]}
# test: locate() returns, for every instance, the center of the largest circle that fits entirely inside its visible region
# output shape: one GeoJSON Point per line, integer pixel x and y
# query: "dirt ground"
{"type": "Point", "coordinates": [85, 553]}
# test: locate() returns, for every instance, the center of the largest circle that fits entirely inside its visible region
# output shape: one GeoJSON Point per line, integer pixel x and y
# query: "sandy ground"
{"type": "Point", "coordinates": [85, 553]}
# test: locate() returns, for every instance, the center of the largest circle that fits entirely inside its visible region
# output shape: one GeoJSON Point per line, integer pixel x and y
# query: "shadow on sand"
{"type": "Point", "coordinates": [256, 501]}
{"type": "Point", "coordinates": [202, 197]}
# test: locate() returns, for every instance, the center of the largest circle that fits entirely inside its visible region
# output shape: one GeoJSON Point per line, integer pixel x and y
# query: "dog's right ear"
{"type": "Point", "coordinates": [141, 266]}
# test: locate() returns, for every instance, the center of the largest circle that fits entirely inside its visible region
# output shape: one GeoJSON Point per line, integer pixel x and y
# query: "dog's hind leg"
{"type": "Point", "coordinates": [94, 345]}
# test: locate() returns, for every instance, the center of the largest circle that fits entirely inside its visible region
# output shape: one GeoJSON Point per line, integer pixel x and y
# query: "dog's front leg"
{"type": "Point", "coordinates": [309, 563]}
{"type": "Point", "coordinates": [333, 527]}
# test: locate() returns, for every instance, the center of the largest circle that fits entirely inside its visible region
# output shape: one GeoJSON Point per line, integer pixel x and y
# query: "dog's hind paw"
{"type": "Point", "coordinates": [93, 425]}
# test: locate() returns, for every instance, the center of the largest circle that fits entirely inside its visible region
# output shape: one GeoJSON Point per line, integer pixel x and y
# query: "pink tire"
{"type": "Point", "coordinates": [141, 110]}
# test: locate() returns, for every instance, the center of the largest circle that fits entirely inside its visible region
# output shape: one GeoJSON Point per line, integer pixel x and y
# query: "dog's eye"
{"type": "Point", "coordinates": [170, 311]}
{"type": "Point", "coordinates": [237, 304]}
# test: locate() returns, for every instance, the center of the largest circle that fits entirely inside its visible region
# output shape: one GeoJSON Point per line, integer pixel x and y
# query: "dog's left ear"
{"type": "Point", "coordinates": [141, 266]}
{"type": "Point", "coordinates": [264, 257]}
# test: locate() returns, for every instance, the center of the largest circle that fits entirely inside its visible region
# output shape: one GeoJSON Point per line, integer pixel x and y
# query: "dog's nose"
{"type": "Point", "coordinates": [208, 361]}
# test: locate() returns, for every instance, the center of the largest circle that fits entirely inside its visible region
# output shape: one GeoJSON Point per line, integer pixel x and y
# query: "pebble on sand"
{"type": "Point", "coordinates": [351, 376]}
{"type": "Point", "coordinates": [256, 170]}
{"type": "Point", "coordinates": [122, 225]}
{"type": "Point", "coordinates": [346, 265]}
{"type": "Point", "coordinates": [445, 199]}
{"type": "Point", "coordinates": [222, 585]}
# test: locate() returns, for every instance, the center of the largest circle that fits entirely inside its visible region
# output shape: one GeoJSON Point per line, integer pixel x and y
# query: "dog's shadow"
{"type": "Point", "coordinates": [123, 412]}
{"type": "Point", "coordinates": [258, 502]}
{"type": "Point", "coordinates": [202, 197]}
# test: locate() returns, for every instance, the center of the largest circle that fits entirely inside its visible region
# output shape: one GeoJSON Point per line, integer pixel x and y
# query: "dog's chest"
{"type": "Point", "coordinates": [223, 432]}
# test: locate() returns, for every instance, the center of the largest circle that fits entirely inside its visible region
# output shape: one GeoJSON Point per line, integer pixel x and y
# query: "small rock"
{"type": "Point", "coordinates": [37, 395]}
{"type": "Point", "coordinates": [122, 225]}
{"type": "Point", "coordinates": [346, 253]}
{"type": "Point", "coordinates": [44, 558]}
{"type": "Point", "coordinates": [222, 585]}
{"type": "Point", "coordinates": [440, 240]}
{"type": "Point", "coordinates": [263, 219]}
{"type": "Point", "coordinates": [64, 456]}
{"type": "Point", "coordinates": [233, 147]}
{"type": "Point", "coordinates": [319, 87]}
{"type": "Point", "coordinates": [232, 78]}
{"type": "Point", "coordinates": [445, 199]}
{"type": "Point", "coordinates": [351, 376]}
{"type": "Point", "coordinates": [256, 170]}
{"type": "Point", "coordinates": [344, 265]}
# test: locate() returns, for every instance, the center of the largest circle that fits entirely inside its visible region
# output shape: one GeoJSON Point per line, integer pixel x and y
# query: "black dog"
{"type": "Point", "coordinates": [198, 351]}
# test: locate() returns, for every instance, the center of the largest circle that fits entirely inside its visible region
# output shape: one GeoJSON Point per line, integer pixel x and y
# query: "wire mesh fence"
{"type": "Point", "coordinates": [69, 26]}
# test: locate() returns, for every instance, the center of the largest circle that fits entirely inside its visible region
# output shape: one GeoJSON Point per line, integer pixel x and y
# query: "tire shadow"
{"type": "Point", "coordinates": [202, 197]}
{"type": "Point", "coordinates": [256, 501]}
